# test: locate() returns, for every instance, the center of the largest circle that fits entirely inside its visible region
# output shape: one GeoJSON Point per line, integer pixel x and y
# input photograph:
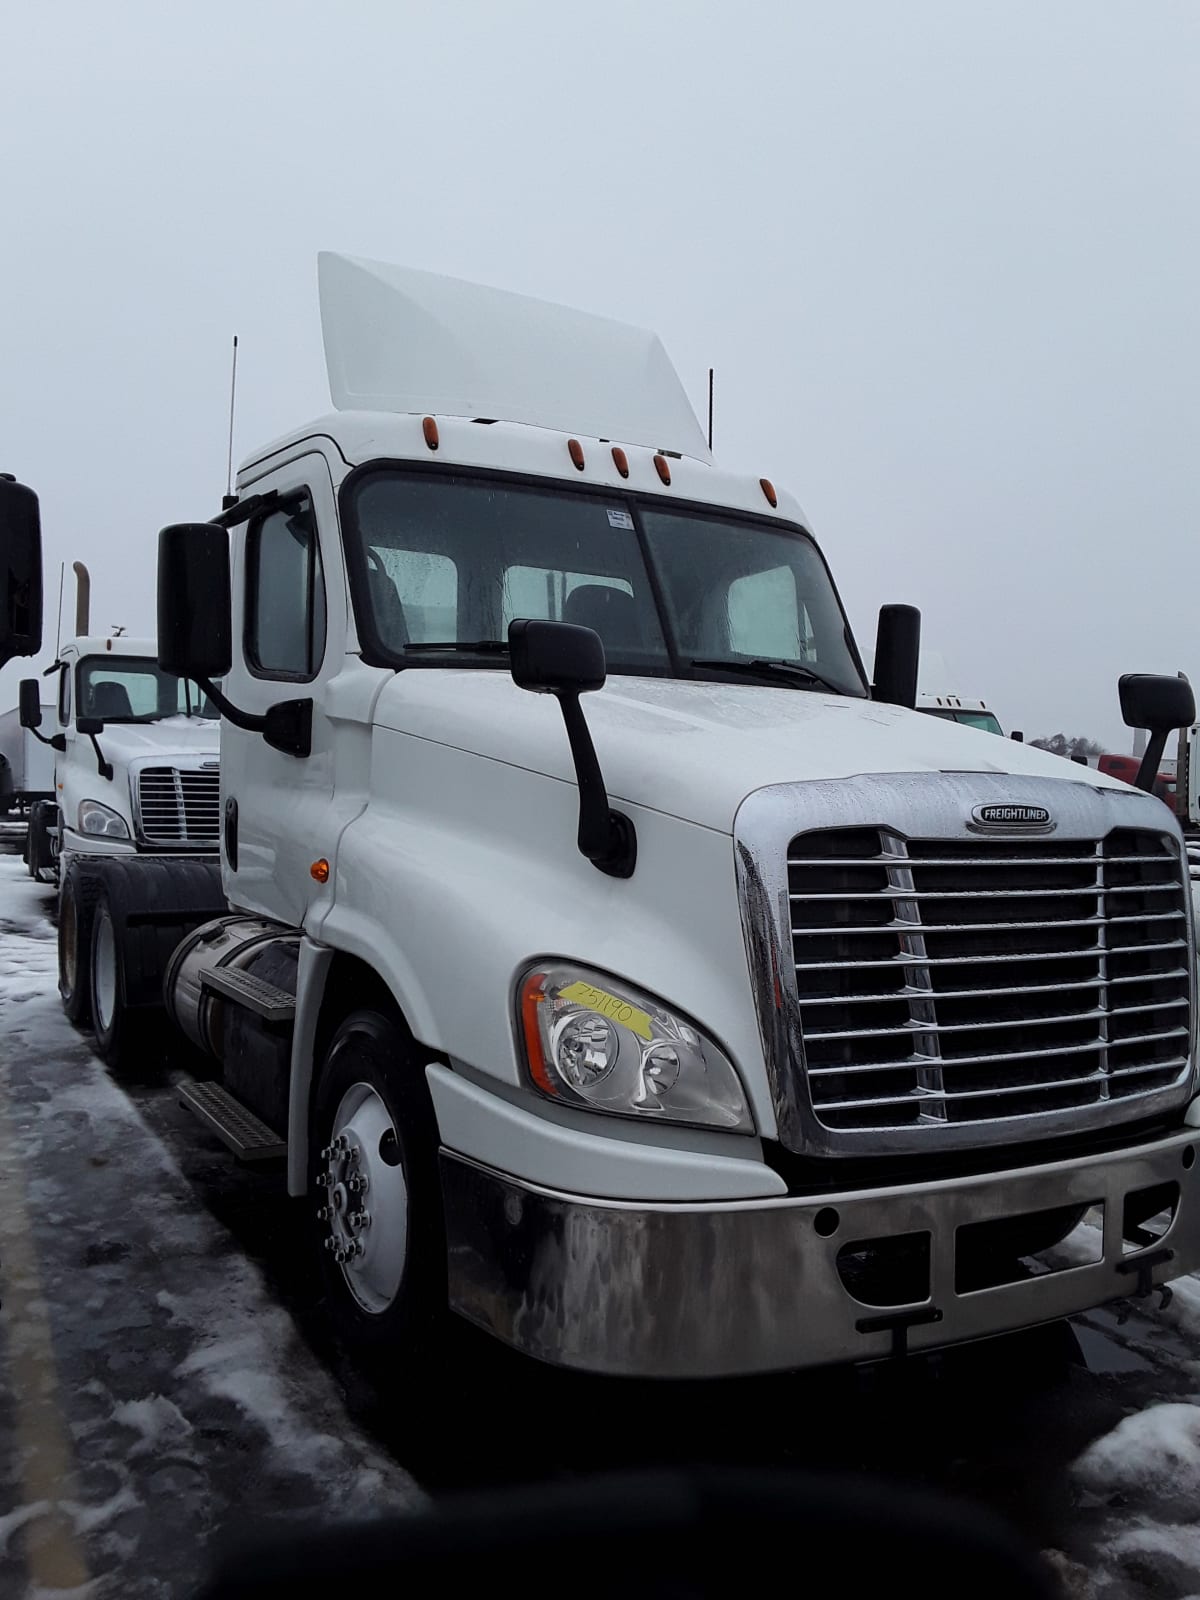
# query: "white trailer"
{"type": "Point", "coordinates": [26, 765]}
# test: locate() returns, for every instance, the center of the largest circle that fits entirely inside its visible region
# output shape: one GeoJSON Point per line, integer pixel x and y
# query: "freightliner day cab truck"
{"type": "Point", "coordinates": [136, 776]}
{"type": "Point", "coordinates": [724, 1016]}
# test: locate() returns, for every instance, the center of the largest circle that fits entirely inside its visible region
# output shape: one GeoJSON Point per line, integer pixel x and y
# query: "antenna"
{"type": "Point", "coordinates": [230, 498]}
{"type": "Point", "coordinates": [710, 399]}
{"type": "Point", "coordinates": [62, 573]}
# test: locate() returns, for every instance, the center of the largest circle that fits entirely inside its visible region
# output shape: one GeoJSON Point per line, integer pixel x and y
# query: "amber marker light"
{"type": "Point", "coordinates": [575, 449]}
{"type": "Point", "coordinates": [620, 461]}
{"type": "Point", "coordinates": [533, 996]}
{"type": "Point", "coordinates": [768, 488]}
{"type": "Point", "coordinates": [429, 429]}
{"type": "Point", "coordinates": [320, 870]}
{"type": "Point", "coordinates": [664, 468]}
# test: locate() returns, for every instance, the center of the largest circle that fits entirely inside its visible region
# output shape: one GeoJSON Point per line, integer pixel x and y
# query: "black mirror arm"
{"type": "Point", "coordinates": [103, 767]}
{"type": "Point", "coordinates": [56, 741]}
{"type": "Point", "coordinates": [286, 726]}
{"type": "Point", "coordinates": [1151, 760]}
{"type": "Point", "coordinates": [606, 837]}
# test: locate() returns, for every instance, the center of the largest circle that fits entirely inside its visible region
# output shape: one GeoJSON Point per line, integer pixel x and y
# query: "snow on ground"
{"type": "Point", "coordinates": [154, 1401]}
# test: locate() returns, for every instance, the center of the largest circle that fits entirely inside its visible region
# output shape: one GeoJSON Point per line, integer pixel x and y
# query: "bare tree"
{"type": "Point", "coordinates": [1061, 744]}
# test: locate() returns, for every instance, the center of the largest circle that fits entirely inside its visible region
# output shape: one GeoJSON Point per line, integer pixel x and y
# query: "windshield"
{"type": "Point", "coordinates": [443, 564]}
{"type": "Point", "coordinates": [969, 719]}
{"type": "Point", "coordinates": [135, 689]}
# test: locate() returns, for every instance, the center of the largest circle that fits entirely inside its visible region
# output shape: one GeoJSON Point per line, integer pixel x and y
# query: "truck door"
{"type": "Point", "coordinates": [289, 640]}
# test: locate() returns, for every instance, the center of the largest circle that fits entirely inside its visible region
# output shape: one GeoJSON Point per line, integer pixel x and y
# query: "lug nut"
{"type": "Point", "coordinates": [323, 1180]}
{"type": "Point", "coordinates": [327, 1152]}
{"type": "Point", "coordinates": [322, 1213]}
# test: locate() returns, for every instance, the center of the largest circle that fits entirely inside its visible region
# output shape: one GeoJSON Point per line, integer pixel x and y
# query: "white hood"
{"type": "Point", "coordinates": [191, 738]}
{"type": "Point", "coordinates": [696, 750]}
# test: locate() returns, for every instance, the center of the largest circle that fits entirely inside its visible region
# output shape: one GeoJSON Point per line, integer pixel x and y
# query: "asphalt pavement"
{"type": "Point", "coordinates": [168, 1381]}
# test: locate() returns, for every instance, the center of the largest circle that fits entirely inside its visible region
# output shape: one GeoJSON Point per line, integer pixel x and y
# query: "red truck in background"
{"type": "Point", "coordinates": [1126, 768]}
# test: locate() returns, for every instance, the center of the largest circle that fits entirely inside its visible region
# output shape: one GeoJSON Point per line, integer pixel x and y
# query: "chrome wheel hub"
{"type": "Point", "coordinates": [363, 1199]}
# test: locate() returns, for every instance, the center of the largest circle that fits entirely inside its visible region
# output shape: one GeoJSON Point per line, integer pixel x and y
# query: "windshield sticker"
{"type": "Point", "coordinates": [620, 519]}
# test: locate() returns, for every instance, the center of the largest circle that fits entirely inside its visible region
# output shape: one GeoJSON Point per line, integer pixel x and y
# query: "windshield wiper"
{"type": "Point", "coordinates": [480, 647]}
{"type": "Point", "coordinates": [790, 672]}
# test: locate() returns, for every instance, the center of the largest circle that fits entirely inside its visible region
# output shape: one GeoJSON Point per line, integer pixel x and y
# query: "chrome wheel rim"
{"type": "Point", "coordinates": [104, 972]}
{"type": "Point", "coordinates": [363, 1201]}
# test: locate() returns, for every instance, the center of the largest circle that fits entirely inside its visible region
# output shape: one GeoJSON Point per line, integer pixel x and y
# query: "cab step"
{"type": "Point", "coordinates": [233, 1123]}
{"type": "Point", "coordinates": [266, 1000]}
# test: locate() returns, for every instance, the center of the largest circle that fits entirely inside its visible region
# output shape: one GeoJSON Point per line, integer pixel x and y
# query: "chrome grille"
{"type": "Point", "coordinates": [180, 807]}
{"type": "Point", "coordinates": [977, 980]}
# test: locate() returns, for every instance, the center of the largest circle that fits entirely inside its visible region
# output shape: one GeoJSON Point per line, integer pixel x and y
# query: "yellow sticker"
{"type": "Point", "coordinates": [607, 1005]}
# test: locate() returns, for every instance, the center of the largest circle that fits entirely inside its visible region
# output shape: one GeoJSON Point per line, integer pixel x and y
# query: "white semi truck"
{"type": "Point", "coordinates": [725, 1016]}
{"type": "Point", "coordinates": [135, 777]}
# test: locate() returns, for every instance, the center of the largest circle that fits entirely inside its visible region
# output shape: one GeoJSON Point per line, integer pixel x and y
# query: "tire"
{"type": "Point", "coordinates": [76, 912]}
{"type": "Point", "coordinates": [370, 1091]}
{"type": "Point", "coordinates": [117, 1028]}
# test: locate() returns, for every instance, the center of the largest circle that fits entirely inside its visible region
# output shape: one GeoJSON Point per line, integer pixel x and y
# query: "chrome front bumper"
{"type": "Point", "coordinates": [691, 1290]}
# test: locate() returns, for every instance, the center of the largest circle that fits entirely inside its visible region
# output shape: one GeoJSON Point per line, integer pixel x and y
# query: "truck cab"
{"type": "Point", "coordinates": [602, 954]}
{"type": "Point", "coordinates": [160, 737]}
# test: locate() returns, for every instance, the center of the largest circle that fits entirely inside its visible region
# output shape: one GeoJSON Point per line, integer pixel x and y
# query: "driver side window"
{"type": "Point", "coordinates": [285, 595]}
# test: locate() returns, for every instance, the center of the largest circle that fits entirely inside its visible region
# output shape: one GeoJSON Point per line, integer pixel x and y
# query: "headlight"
{"type": "Point", "coordinates": [99, 821]}
{"type": "Point", "coordinates": [597, 1042]}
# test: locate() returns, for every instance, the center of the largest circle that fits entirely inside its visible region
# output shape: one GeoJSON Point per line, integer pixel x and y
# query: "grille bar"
{"type": "Point", "coordinates": [1092, 1078]}
{"type": "Point", "coordinates": [967, 861]}
{"type": "Point", "coordinates": [1089, 1046]}
{"type": "Point", "coordinates": [983, 894]}
{"type": "Point", "coordinates": [970, 994]}
{"type": "Point", "coordinates": [900, 924]}
{"type": "Point", "coordinates": [1009, 1022]}
{"type": "Point", "coordinates": [957, 961]}
{"type": "Point", "coordinates": [939, 984]}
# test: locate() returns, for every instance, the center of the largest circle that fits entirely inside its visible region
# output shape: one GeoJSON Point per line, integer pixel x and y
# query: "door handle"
{"type": "Point", "coordinates": [231, 833]}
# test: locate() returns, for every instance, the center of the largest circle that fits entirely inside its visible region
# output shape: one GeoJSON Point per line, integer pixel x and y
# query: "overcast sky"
{"type": "Point", "coordinates": [944, 256]}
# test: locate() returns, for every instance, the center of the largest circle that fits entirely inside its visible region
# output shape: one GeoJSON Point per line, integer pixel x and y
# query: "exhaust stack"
{"type": "Point", "coordinates": [83, 599]}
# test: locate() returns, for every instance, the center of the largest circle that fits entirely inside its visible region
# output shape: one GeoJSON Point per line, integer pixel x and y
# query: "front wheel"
{"type": "Point", "coordinates": [374, 1189]}
{"type": "Point", "coordinates": [113, 1023]}
{"type": "Point", "coordinates": [76, 910]}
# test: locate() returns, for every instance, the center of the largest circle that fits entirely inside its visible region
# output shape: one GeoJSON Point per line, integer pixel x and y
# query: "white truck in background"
{"type": "Point", "coordinates": [135, 774]}
{"type": "Point", "coordinates": [744, 1020]}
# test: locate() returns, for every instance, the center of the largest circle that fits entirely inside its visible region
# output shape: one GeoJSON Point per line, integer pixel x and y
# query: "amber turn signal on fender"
{"type": "Point", "coordinates": [320, 870]}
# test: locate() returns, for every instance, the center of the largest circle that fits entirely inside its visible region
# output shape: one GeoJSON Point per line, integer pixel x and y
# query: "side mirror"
{"type": "Point", "coordinates": [897, 651]}
{"type": "Point", "coordinates": [195, 630]}
{"type": "Point", "coordinates": [561, 659]}
{"type": "Point", "coordinates": [20, 571]}
{"type": "Point", "coordinates": [30, 703]}
{"type": "Point", "coordinates": [89, 726]}
{"type": "Point", "coordinates": [1019, 737]}
{"type": "Point", "coordinates": [556, 657]}
{"type": "Point", "coordinates": [1160, 704]}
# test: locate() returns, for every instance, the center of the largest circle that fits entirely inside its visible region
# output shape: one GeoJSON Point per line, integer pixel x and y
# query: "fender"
{"type": "Point", "coordinates": [312, 974]}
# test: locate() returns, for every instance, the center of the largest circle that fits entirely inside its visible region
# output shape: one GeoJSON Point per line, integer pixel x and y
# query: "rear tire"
{"type": "Point", "coordinates": [76, 913]}
{"type": "Point", "coordinates": [117, 1028]}
{"type": "Point", "coordinates": [385, 1282]}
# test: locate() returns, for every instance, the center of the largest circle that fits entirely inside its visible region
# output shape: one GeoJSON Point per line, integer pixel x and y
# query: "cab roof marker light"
{"type": "Point", "coordinates": [620, 460]}
{"type": "Point", "coordinates": [768, 488]}
{"type": "Point", "coordinates": [663, 467]}
{"type": "Point", "coordinates": [575, 450]}
{"type": "Point", "coordinates": [430, 429]}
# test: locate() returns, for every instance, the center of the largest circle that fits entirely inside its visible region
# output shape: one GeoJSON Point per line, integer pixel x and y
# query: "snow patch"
{"type": "Point", "coordinates": [1152, 1451]}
